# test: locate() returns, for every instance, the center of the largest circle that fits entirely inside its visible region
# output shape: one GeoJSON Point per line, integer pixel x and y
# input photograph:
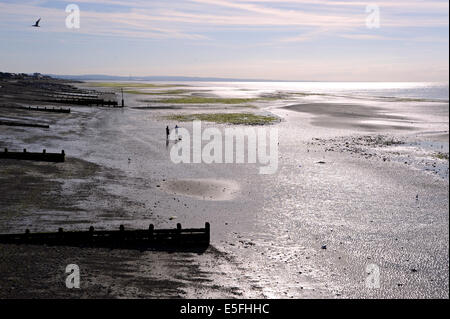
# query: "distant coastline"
{"type": "Point", "coordinates": [101, 77]}
{"type": "Point", "coordinates": [164, 78]}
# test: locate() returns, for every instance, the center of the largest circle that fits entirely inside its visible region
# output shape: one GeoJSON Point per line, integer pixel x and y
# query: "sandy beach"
{"type": "Point", "coordinates": [360, 181]}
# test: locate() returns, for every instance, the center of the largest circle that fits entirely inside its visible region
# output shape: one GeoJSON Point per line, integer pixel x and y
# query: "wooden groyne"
{"type": "Point", "coordinates": [151, 238]}
{"type": "Point", "coordinates": [14, 123]}
{"type": "Point", "coordinates": [91, 94]}
{"type": "Point", "coordinates": [83, 101]}
{"type": "Point", "coordinates": [41, 109]}
{"type": "Point", "coordinates": [32, 156]}
{"type": "Point", "coordinates": [45, 109]}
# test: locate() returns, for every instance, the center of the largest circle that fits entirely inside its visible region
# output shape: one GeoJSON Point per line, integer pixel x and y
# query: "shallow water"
{"type": "Point", "coordinates": [363, 210]}
{"type": "Point", "coordinates": [413, 90]}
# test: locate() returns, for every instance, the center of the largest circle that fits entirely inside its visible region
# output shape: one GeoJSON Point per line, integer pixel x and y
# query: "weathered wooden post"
{"type": "Point", "coordinates": [121, 234]}
{"type": "Point", "coordinates": [27, 235]}
{"type": "Point", "coordinates": [44, 151]}
{"type": "Point", "coordinates": [151, 228]}
{"type": "Point", "coordinates": [122, 98]}
{"type": "Point", "coordinates": [60, 236]}
{"type": "Point", "coordinates": [178, 234]}
{"type": "Point", "coordinates": [91, 234]}
{"type": "Point", "coordinates": [207, 231]}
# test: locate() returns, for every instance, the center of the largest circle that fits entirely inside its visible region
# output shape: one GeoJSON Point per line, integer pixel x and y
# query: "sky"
{"type": "Point", "coordinates": [308, 40]}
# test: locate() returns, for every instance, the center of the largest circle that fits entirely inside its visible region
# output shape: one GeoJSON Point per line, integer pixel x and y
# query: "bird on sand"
{"type": "Point", "coordinates": [36, 25]}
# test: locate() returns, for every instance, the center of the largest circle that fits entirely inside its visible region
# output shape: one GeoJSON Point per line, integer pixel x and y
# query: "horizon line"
{"type": "Point", "coordinates": [189, 78]}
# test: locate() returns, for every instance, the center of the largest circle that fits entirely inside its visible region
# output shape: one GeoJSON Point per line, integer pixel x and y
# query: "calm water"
{"type": "Point", "coordinates": [416, 90]}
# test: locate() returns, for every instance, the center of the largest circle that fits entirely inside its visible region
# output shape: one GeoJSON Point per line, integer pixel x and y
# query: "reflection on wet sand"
{"type": "Point", "coordinates": [371, 201]}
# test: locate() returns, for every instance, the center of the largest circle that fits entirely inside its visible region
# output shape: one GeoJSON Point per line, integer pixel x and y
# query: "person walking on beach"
{"type": "Point", "coordinates": [176, 129]}
{"type": "Point", "coordinates": [167, 132]}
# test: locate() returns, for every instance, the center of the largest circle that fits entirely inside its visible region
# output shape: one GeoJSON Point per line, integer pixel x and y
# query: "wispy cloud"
{"type": "Point", "coordinates": [290, 39]}
{"type": "Point", "coordinates": [128, 23]}
{"type": "Point", "coordinates": [192, 19]}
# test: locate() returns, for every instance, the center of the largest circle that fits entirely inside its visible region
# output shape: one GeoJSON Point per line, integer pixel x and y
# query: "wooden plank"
{"type": "Point", "coordinates": [14, 123]}
{"type": "Point", "coordinates": [32, 156]}
{"type": "Point", "coordinates": [45, 109]}
{"type": "Point", "coordinates": [130, 239]}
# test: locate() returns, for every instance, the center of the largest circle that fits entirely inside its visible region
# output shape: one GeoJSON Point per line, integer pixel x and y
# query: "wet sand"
{"type": "Point", "coordinates": [40, 272]}
{"type": "Point", "coordinates": [268, 232]}
{"type": "Point", "coordinates": [203, 189]}
{"type": "Point", "coordinates": [353, 116]}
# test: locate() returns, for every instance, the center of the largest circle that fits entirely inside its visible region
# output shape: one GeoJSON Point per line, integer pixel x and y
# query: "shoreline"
{"type": "Point", "coordinates": [350, 204]}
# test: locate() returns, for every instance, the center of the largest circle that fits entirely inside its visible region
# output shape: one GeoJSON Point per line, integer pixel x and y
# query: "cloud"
{"type": "Point", "coordinates": [196, 19]}
{"type": "Point", "coordinates": [128, 23]}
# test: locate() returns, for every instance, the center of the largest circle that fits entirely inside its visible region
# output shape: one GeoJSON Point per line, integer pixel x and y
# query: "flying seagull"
{"type": "Point", "coordinates": [37, 23]}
